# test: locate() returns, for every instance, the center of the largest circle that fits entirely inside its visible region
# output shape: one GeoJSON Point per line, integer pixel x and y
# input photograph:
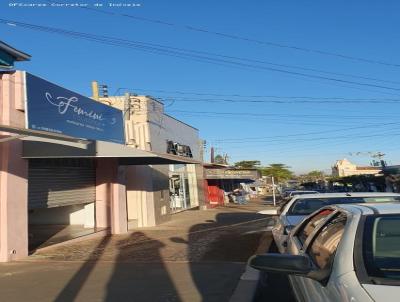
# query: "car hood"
{"type": "Point", "coordinates": [382, 293]}
{"type": "Point", "coordinates": [295, 219]}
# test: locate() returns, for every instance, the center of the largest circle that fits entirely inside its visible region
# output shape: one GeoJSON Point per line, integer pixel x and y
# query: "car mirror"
{"type": "Point", "coordinates": [268, 212]}
{"type": "Point", "coordinates": [281, 263]}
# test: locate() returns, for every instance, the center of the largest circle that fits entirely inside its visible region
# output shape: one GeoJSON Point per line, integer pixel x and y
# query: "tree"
{"type": "Point", "coordinates": [315, 175]}
{"type": "Point", "coordinates": [219, 159]}
{"type": "Point", "coordinates": [280, 172]}
{"type": "Point", "coordinates": [248, 164]}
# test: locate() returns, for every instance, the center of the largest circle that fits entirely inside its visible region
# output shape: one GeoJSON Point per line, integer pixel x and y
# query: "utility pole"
{"type": "Point", "coordinates": [273, 190]}
{"type": "Point", "coordinates": [95, 90]}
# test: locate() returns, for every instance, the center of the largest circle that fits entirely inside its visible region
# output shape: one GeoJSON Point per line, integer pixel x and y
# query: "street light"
{"type": "Point", "coordinates": [273, 188]}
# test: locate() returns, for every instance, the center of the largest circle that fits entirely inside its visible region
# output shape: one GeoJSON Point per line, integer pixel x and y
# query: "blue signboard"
{"type": "Point", "coordinates": [56, 109]}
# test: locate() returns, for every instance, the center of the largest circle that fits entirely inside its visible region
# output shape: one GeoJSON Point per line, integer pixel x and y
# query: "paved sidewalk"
{"type": "Point", "coordinates": [198, 256]}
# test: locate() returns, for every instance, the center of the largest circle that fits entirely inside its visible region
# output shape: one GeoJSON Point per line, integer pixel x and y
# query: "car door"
{"type": "Point", "coordinates": [297, 242]}
{"type": "Point", "coordinates": [321, 246]}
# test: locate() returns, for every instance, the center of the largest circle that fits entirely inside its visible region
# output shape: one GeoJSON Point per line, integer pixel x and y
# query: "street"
{"type": "Point", "coordinates": [197, 256]}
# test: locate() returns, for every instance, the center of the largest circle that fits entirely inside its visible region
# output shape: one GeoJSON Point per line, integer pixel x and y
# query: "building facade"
{"type": "Point", "coordinates": [64, 167]}
{"type": "Point", "coordinates": [161, 190]}
{"type": "Point", "coordinates": [222, 179]}
{"type": "Point", "coordinates": [344, 168]}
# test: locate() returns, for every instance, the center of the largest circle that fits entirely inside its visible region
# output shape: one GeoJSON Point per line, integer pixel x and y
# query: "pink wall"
{"type": "Point", "coordinates": [111, 208]}
{"type": "Point", "coordinates": [13, 172]}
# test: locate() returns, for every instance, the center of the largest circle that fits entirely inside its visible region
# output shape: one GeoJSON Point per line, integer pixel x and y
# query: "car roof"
{"type": "Point", "coordinates": [371, 208]}
{"type": "Point", "coordinates": [347, 194]}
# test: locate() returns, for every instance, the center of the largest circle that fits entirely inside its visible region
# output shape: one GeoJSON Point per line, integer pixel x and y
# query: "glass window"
{"type": "Point", "coordinates": [323, 248]}
{"type": "Point", "coordinates": [381, 246]}
{"type": "Point", "coordinates": [306, 206]}
{"type": "Point", "coordinates": [306, 230]}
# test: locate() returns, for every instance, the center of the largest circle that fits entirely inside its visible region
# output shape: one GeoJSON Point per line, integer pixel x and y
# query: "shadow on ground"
{"type": "Point", "coordinates": [204, 263]}
{"type": "Point", "coordinates": [273, 286]}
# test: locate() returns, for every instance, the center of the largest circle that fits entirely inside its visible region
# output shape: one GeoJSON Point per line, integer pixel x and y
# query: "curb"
{"type": "Point", "coordinates": [247, 285]}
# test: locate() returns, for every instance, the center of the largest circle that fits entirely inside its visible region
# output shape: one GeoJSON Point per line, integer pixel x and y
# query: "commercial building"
{"type": "Point", "coordinates": [344, 168]}
{"type": "Point", "coordinates": [221, 179]}
{"type": "Point", "coordinates": [155, 192]}
{"type": "Point", "coordinates": [64, 167]}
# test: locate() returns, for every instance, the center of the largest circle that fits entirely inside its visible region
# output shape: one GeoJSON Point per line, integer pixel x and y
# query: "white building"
{"type": "Point", "coordinates": [156, 191]}
{"type": "Point", "coordinates": [344, 168]}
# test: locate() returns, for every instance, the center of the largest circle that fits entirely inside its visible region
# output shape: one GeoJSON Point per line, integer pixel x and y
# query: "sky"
{"type": "Point", "coordinates": [316, 81]}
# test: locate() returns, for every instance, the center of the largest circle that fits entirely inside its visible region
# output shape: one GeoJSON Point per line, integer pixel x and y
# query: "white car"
{"type": "Point", "coordinates": [347, 252]}
{"type": "Point", "coordinates": [299, 192]}
{"type": "Point", "coordinates": [301, 206]}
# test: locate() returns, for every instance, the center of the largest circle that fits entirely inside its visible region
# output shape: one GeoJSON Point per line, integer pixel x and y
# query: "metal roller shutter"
{"type": "Point", "coordinates": [61, 182]}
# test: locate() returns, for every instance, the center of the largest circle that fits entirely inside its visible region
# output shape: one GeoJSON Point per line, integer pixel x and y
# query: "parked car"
{"type": "Point", "coordinates": [346, 252]}
{"type": "Point", "coordinates": [303, 205]}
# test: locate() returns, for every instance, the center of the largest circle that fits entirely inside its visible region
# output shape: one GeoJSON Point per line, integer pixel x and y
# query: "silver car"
{"type": "Point", "coordinates": [299, 192]}
{"type": "Point", "coordinates": [347, 252]}
{"type": "Point", "coordinates": [301, 206]}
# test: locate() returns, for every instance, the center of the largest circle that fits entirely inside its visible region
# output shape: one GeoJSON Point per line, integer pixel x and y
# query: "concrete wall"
{"type": "Point", "coordinates": [13, 172]}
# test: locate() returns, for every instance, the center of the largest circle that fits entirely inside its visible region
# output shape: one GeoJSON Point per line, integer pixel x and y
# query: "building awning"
{"type": "Point", "coordinates": [40, 148]}
{"type": "Point", "coordinates": [42, 144]}
{"type": "Point", "coordinates": [24, 133]}
{"type": "Point", "coordinates": [8, 55]}
{"type": "Point", "coordinates": [231, 173]}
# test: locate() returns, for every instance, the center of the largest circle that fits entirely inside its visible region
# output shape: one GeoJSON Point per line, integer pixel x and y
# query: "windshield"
{"type": "Point", "coordinates": [306, 206]}
{"type": "Point", "coordinates": [381, 246]}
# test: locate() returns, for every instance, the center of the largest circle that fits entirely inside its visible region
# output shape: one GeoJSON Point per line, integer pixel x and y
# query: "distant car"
{"type": "Point", "coordinates": [303, 205]}
{"type": "Point", "coordinates": [347, 252]}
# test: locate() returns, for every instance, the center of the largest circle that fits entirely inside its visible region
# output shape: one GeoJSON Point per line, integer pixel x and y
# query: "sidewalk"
{"type": "Point", "coordinates": [198, 256]}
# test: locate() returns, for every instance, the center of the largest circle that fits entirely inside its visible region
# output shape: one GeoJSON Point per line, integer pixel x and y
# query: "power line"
{"type": "Point", "coordinates": [338, 142]}
{"type": "Point", "coordinates": [303, 134]}
{"type": "Point", "coordinates": [283, 115]}
{"type": "Point", "coordinates": [182, 53]}
{"type": "Point", "coordinates": [274, 142]}
{"type": "Point", "coordinates": [277, 101]}
{"type": "Point", "coordinates": [246, 39]}
{"type": "Point", "coordinates": [256, 96]}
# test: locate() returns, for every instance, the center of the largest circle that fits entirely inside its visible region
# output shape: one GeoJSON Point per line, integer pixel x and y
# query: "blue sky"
{"type": "Point", "coordinates": [302, 135]}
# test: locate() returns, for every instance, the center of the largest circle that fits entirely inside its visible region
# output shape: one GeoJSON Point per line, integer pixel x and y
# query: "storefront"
{"type": "Point", "coordinates": [63, 165]}
{"type": "Point", "coordinates": [182, 187]}
{"type": "Point", "coordinates": [221, 180]}
{"type": "Point", "coordinates": [155, 193]}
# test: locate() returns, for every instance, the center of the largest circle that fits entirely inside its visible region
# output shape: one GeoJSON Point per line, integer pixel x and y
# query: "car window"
{"type": "Point", "coordinates": [381, 247]}
{"type": "Point", "coordinates": [307, 228]}
{"type": "Point", "coordinates": [323, 248]}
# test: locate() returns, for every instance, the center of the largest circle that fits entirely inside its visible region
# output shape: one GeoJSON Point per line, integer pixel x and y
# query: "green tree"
{"type": "Point", "coordinates": [280, 172]}
{"type": "Point", "coordinates": [219, 159]}
{"type": "Point", "coordinates": [248, 164]}
{"type": "Point", "coordinates": [315, 175]}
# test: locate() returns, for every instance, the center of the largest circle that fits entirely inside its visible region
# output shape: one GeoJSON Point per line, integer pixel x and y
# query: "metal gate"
{"type": "Point", "coordinates": [60, 182]}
